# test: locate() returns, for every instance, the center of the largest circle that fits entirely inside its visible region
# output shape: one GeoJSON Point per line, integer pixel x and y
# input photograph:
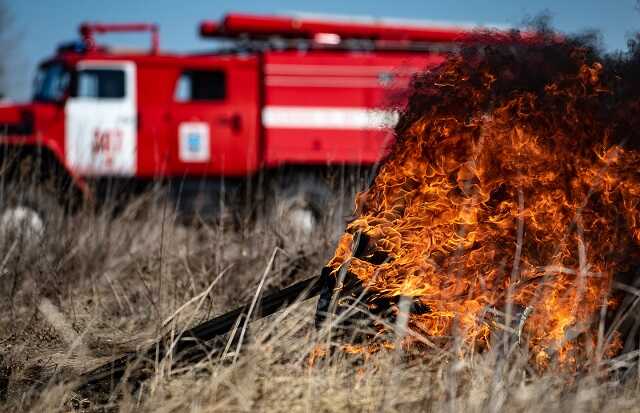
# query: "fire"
{"type": "Point", "coordinates": [510, 186]}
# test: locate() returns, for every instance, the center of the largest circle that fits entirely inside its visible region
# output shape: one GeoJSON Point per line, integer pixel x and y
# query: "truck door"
{"type": "Point", "coordinates": [100, 119]}
{"type": "Point", "coordinates": [214, 118]}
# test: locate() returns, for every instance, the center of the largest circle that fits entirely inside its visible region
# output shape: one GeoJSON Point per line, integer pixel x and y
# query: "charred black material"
{"type": "Point", "coordinates": [363, 250]}
{"type": "Point", "coordinates": [343, 294]}
{"type": "Point", "coordinates": [194, 344]}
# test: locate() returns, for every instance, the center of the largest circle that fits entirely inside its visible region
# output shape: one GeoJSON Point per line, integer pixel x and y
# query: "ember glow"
{"type": "Point", "coordinates": [512, 185]}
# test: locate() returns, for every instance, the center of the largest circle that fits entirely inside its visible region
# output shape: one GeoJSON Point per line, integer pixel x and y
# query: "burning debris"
{"type": "Point", "coordinates": [512, 189]}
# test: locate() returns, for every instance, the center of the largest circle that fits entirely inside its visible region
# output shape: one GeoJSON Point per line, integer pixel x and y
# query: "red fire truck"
{"type": "Point", "coordinates": [279, 105]}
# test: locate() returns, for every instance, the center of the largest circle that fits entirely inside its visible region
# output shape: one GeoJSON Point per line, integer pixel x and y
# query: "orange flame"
{"type": "Point", "coordinates": [484, 203]}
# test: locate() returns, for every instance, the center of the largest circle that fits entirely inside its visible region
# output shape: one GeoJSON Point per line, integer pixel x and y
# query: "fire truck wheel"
{"type": "Point", "coordinates": [27, 215]}
{"type": "Point", "coordinates": [301, 209]}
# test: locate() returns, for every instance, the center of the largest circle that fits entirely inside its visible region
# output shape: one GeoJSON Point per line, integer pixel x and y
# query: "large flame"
{"type": "Point", "coordinates": [510, 186]}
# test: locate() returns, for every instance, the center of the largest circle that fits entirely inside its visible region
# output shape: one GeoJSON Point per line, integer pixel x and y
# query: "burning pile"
{"type": "Point", "coordinates": [514, 183]}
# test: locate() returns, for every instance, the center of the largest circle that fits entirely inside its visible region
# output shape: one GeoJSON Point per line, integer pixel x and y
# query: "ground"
{"type": "Point", "coordinates": [103, 283]}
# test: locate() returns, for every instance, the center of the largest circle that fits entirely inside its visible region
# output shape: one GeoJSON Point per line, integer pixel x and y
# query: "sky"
{"type": "Point", "coordinates": [40, 25]}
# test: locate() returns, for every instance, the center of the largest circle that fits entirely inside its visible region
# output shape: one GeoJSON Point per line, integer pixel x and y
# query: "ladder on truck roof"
{"type": "Point", "coordinates": [378, 34]}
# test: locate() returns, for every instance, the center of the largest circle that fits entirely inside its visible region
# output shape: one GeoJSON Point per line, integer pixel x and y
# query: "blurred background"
{"type": "Point", "coordinates": [34, 28]}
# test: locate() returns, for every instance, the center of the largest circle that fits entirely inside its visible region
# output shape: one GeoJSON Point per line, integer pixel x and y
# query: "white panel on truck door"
{"type": "Point", "coordinates": [194, 145]}
{"type": "Point", "coordinates": [101, 120]}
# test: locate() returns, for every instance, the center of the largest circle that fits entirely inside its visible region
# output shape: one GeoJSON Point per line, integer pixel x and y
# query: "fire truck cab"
{"type": "Point", "coordinates": [310, 95]}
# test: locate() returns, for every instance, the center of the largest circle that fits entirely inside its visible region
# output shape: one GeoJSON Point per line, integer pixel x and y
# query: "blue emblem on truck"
{"type": "Point", "coordinates": [193, 142]}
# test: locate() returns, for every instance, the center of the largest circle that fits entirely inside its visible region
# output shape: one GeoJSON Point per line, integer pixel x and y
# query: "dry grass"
{"type": "Point", "coordinates": [99, 286]}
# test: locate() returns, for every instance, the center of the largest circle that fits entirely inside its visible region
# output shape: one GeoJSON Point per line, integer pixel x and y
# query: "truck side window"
{"type": "Point", "coordinates": [101, 84]}
{"type": "Point", "coordinates": [201, 85]}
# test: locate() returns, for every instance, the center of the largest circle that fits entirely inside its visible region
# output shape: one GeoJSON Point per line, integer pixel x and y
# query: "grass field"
{"type": "Point", "coordinates": [101, 285]}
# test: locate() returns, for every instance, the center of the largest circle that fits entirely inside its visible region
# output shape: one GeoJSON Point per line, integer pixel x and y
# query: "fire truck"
{"type": "Point", "coordinates": [281, 104]}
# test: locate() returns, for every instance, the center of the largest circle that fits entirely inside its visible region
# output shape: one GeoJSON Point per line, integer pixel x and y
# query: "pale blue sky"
{"type": "Point", "coordinates": [42, 24]}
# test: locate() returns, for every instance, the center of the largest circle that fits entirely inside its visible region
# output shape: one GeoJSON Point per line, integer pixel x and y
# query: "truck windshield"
{"type": "Point", "coordinates": [51, 83]}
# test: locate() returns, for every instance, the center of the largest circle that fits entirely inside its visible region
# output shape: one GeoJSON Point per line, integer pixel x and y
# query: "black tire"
{"type": "Point", "coordinates": [28, 214]}
{"type": "Point", "coordinates": [304, 208]}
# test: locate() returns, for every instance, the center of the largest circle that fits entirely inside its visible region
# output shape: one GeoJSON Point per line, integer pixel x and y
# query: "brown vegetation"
{"type": "Point", "coordinates": [100, 286]}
